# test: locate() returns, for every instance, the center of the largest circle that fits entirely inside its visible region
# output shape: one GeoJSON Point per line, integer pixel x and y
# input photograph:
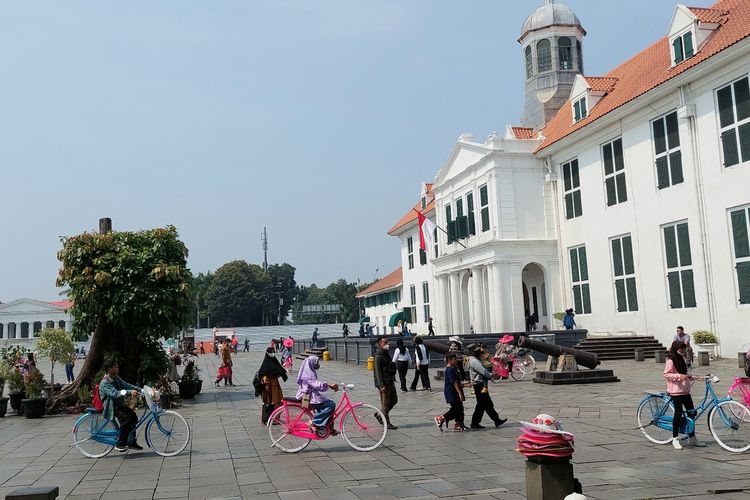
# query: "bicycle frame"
{"type": "Point", "coordinates": [710, 400]}
{"type": "Point", "coordinates": [110, 436]}
{"type": "Point", "coordinates": [744, 384]}
{"type": "Point", "coordinates": [301, 429]}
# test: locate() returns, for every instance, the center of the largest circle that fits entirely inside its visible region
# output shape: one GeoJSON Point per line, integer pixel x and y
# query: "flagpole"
{"type": "Point", "coordinates": [443, 230]}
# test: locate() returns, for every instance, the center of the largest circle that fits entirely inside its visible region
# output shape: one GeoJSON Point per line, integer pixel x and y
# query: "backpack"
{"type": "Point", "coordinates": [96, 400]}
{"type": "Point", "coordinates": [257, 385]}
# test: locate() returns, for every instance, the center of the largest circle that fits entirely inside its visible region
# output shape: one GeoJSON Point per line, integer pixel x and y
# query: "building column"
{"type": "Point", "coordinates": [68, 326]}
{"type": "Point", "coordinates": [517, 318]}
{"type": "Point", "coordinates": [502, 296]}
{"type": "Point", "coordinates": [487, 295]}
{"type": "Point", "coordinates": [455, 298]}
{"type": "Point", "coordinates": [478, 313]}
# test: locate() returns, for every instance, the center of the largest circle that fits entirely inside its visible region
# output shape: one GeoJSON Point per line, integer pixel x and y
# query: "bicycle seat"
{"type": "Point", "coordinates": [657, 394]}
{"type": "Point", "coordinates": [91, 410]}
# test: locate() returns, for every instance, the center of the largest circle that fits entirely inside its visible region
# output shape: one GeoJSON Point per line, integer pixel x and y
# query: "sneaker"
{"type": "Point", "coordinates": [439, 422]}
{"type": "Point", "coordinates": [477, 426]}
{"type": "Point", "coordinates": [676, 443]}
{"type": "Point", "coordinates": [121, 447]}
{"type": "Point", "coordinates": [500, 422]}
{"type": "Point", "coordinates": [693, 441]}
{"type": "Point", "coordinates": [135, 446]}
{"type": "Point", "coordinates": [458, 427]}
{"type": "Point", "coordinates": [379, 418]}
{"type": "Point", "coordinates": [404, 390]}
{"type": "Point", "coordinates": [392, 427]}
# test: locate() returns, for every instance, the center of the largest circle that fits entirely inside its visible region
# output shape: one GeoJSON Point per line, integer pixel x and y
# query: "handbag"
{"type": "Point", "coordinates": [223, 372]}
{"type": "Point", "coordinates": [266, 411]}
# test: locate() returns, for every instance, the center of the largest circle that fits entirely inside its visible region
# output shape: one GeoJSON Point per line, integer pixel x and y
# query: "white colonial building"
{"type": "Point", "coordinates": [627, 199]}
{"type": "Point", "coordinates": [22, 318]}
{"type": "Point", "coordinates": [382, 303]}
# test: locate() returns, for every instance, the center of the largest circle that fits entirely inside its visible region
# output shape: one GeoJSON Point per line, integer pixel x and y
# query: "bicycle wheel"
{"type": "Point", "coordinates": [741, 393]}
{"type": "Point", "coordinates": [729, 422]}
{"type": "Point", "coordinates": [282, 424]}
{"type": "Point", "coordinates": [168, 433]}
{"type": "Point", "coordinates": [517, 371]}
{"type": "Point", "coordinates": [653, 413]}
{"type": "Point", "coordinates": [87, 430]}
{"type": "Point", "coordinates": [529, 364]}
{"type": "Point", "coordinates": [364, 428]}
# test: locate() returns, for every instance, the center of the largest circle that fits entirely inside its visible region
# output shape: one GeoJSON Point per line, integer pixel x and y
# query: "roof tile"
{"type": "Point", "coordinates": [601, 83]}
{"type": "Point", "coordinates": [523, 132]}
{"type": "Point", "coordinates": [393, 279]}
{"type": "Point", "coordinates": [709, 15]}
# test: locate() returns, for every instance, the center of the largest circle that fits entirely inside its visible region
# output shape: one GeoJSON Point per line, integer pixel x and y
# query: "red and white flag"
{"type": "Point", "coordinates": [426, 231]}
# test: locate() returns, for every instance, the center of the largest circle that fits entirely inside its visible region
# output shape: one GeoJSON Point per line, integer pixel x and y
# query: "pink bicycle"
{"type": "Point", "coordinates": [740, 390]}
{"type": "Point", "coordinates": [362, 426]}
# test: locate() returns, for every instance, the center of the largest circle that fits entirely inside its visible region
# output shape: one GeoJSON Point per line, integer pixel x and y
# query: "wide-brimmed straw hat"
{"type": "Point", "coordinates": [546, 424]}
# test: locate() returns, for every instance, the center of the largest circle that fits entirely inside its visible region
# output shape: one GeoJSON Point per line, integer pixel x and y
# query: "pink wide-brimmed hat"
{"type": "Point", "coordinates": [507, 339]}
{"type": "Point", "coordinates": [288, 343]}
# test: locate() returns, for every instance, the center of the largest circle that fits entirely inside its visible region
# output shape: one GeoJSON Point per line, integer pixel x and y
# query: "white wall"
{"type": "Point", "coordinates": [416, 276]}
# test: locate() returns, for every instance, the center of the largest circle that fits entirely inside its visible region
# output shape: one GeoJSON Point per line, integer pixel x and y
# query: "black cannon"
{"type": "Point", "coordinates": [583, 358]}
{"type": "Point", "coordinates": [437, 347]}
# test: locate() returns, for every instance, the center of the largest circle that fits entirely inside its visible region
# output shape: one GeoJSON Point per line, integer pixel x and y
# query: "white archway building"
{"type": "Point", "coordinates": [21, 318]}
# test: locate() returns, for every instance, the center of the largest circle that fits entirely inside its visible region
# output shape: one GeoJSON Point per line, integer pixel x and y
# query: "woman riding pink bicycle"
{"type": "Point", "coordinates": [312, 388]}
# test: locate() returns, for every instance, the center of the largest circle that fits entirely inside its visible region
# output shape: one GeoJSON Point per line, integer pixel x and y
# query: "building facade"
{"type": "Point", "coordinates": [22, 318]}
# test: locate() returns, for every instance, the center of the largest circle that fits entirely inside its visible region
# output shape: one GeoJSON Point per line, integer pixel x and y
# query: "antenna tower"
{"type": "Point", "coordinates": [264, 239]}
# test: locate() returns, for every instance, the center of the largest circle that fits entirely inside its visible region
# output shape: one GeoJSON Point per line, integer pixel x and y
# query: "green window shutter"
{"type": "Point", "coordinates": [459, 208]}
{"type": "Point", "coordinates": [470, 202]}
{"type": "Point", "coordinates": [577, 203]}
{"type": "Point", "coordinates": [485, 219]}
{"type": "Point", "coordinates": [743, 280]}
{"type": "Point", "coordinates": [673, 131]}
{"type": "Point", "coordinates": [670, 247]}
{"type": "Point", "coordinates": [575, 274]}
{"type": "Point", "coordinates": [726, 111]}
{"type": "Point", "coordinates": [426, 292]}
{"type": "Point", "coordinates": [632, 294]}
{"type": "Point", "coordinates": [452, 236]}
{"type": "Point", "coordinates": [577, 110]}
{"type": "Point", "coordinates": [688, 288]}
{"type": "Point", "coordinates": [609, 165]}
{"type": "Point", "coordinates": [662, 172]}
{"type": "Point", "coordinates": [620, 294]}
{"type": "Point", "coordinates": [742, 98]}
{"type": "Point", "coordinates": [660, 141]}
{"type": "Point", "coordinates": [422, 257]}
{"type": "Point", "coordinates": [739, 233]}
{"type": "Point", "coordinates": [462, 226]}
{"type": "Point", "coordinates": [675, 293]}
{"type": "Point", "coordinates": [675, 166]}
{"type": "Point", "coordinates": [407, 315]}
{"type": "Point", "coordinates": [583, 264]}
{"type": "Point", "coordinates": [448, 215]}
{"type": "Point", "coordinates": [622, 192]}
{"type": "Point", "coordinates": [569, 206]}
{"type": "Point", "coordinates": [627, 255]}
{"type": "Point", "coordinates": [410, 244]}
{"type": "Point", "coordinates": [729, 146]}
{"type": "Point", "coordinates": [744, 133]}
{"type": "Point", "coordinates": [586, 296]}
{"type": "Point", "coordinates": [567, 177]}
{"type": "Point", "coordinates": [483, 198]}
{"type": "Point", "coordinates": [617, 152]}
{"type": "Point", "coordinates": [584, 112]}
{"type": "Point", "coordinates": [617, 257]}
{"type": "Point", "coordinates": [411, 261]}
{"type": "Point", "coordinates": [683, 239]}
{"type": "Point", "coordinates": [575, 181]}
{"type": "Point", "coordinates": [577, 298]}
{"type": "Point", "coordinates": [688, 41]}
{"type": "Point", "coordinates": [677, 46]}
{"type": "Point", "coordinates": [609, 183]}
{"type": "Point", "coordinates": [472, 223]}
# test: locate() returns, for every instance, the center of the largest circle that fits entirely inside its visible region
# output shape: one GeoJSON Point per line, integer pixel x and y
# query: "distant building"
{"type": "Point", "coordinates": [21, 318]}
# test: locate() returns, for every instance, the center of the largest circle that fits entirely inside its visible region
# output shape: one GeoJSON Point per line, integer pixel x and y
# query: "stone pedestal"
{"type": "Point", "coordinates": [703, 359]}
{"type": "Point", "coordinates": [660, 356]}
{"type": "Point", "coordinates": [548, 479]}
{"type": "Point", "coordinates": [578, 377]}
{"type": "Point", "coordinates": [639, 354]}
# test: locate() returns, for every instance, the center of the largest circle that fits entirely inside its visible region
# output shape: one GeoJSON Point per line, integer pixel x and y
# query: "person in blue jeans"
{"type": "Point", "coordinates": [308, 383]}
{"type": "Point", "coordinates": [69, 370]}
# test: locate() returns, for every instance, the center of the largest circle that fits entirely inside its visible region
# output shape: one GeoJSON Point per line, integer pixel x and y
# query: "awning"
{"type": "Point", "coordinates": [399, 316]}
{"type": "Point", "coordinates": [365, 319]}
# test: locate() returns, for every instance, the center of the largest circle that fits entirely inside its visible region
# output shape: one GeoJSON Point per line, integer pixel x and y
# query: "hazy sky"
{"type": "Point", "coordinates": [318, 119]}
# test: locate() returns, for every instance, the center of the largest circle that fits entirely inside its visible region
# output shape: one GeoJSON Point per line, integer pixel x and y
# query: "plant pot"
{"type": "Point", "coordinates": [3, 406]}
{"type": "Point", "coordinates": [709, 348]}
{"type": "Point", "coordinates": [34, 408]}
{"type": "Point", "coordinates": [187, 389]}
{"type": "Point", "coordinates": [198, 386]}
{"type": "Point", "coordinates": [15, 401]}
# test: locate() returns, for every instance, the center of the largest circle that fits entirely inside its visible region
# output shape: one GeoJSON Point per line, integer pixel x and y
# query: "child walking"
{"type": "Point", "coordinates": [454, 396]}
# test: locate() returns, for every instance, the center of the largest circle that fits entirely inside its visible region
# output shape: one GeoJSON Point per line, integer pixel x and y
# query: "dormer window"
{"type": "Point", "coordinates": [424, 202]}
{"type": "Point", "coordinates": [682, 47]}
{"type": "Point", "coordinates": [579, 109]}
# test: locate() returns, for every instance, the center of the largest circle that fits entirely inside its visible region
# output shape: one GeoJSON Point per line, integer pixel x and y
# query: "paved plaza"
{"type": "Point", "coordinates": [229, 454]}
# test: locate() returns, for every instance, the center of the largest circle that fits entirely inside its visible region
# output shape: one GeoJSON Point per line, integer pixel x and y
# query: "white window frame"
{"type": "Point", "coordinates": [426, 300]}
{"type": "Point", "coordinates": [410, 251]}
{"type": "Point", "coordinates": [668, 152]}
{"type": "Point", "coordinates": [484, 207]}
{"type": "Point", "coordinates": [573, 189]}
{"type": "Point", "coordinates": [679, 268]}
{"type": "Point", "coordinates": [625, 276]}
{"type": "Point", "coordinates": [583, 110]}
{"type": "Point", "coordinates": [615, 173]}
{"type": "Point", "coordinates": [681, 37]}
{"type": "Point", "coordinates": [737, 260]}
{"type": "Point", "coordinates": [734, 125]}
{"type": "Point", "coordinates": [581, 282]}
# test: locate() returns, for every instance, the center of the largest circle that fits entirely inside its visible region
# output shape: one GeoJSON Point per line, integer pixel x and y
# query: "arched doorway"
{"type": "Point", "coordinates": [536, 308]}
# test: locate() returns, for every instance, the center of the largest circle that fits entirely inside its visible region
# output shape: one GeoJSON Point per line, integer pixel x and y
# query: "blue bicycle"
{"type": "Point", "coordinates": [728, 420]}
{"type": "Point", "coordinates": [167, 432]}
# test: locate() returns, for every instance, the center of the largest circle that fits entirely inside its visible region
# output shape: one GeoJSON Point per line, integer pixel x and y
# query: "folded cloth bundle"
{"type": "Point", "coordinates": [544, 437]}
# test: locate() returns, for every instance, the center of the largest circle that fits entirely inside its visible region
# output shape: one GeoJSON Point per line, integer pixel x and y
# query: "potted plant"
{"type": "Point", "coordinates": [167, 394]}
{"type": "Point", "coordinates": [56, 345]}
{"type": "Point", "coordinates": [34, 405]}
{"type": "Point", "coordinates": [706, 341]}
{"type": "Point", "coordinates": [16, 388]}
{"type": "Point", "coordinates": [4, 369]}
{"type": "Point", "coordinates": [188, 383]}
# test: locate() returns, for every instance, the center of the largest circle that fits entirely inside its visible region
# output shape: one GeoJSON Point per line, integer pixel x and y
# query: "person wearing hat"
{"type": "Point", "coordinates": [384, 374]}
{"type": "Point", "coordinates": [479, 376]}
{"type": "Point", "coordinates": [456, 347]}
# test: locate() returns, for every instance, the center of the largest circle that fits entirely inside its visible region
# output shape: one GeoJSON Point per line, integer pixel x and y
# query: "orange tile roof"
{"type": "Point", "coordinates": [523, 132]}
{"type": "Point", "coordinates": [393, 279]}
{"type": "Point", "coordinates": [67, 304]}
{"type": "Point", "coordinates": [651, 68]}
{"type": "Point", "coordinates": [601, 83]}
{"type": "Point", "coordinates": [709, 15]}
{"type": "Point", "coordinates": [411, 215]}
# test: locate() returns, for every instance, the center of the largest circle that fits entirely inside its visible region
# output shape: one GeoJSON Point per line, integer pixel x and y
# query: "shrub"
{"type": "Point", "coordinates": [34, 383]}
{"type": "Point", "coordinates": [704, 337]}
{"type": "Point", "coordinates": [15, 380]}
{"type": "Point", "coordinates": [190, 374]}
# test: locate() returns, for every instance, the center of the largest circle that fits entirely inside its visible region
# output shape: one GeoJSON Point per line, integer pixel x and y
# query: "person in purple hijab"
{"type": "Point", "coordinates": [307, 380]}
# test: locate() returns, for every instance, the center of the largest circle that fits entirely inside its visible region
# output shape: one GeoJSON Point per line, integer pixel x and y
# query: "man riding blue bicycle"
{"type": "Point", "coordinates": [114, 405]}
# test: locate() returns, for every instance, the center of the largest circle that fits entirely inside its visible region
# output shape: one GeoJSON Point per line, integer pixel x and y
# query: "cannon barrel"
{"type": "Point", "coordinates": [437, 347]}
{"type": "Point", "coordinates": [583, 358]}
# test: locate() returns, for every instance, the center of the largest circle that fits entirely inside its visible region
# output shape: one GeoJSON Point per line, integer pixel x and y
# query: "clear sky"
{"type": "Point", "coordinates": [316, 118]}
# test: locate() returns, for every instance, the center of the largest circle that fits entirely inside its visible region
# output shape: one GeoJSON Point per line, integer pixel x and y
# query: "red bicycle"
{"type": "Point", "coordinates": [522, 364]}
{"type": "Point", "coordinates": [362, 426]}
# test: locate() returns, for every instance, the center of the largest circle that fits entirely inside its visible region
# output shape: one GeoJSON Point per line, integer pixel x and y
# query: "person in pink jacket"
{"type": "Point", "coordinates": [678, 388]}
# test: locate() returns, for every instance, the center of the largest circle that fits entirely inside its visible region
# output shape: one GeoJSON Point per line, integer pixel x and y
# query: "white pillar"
{"type": "Point", "coordinates": [517, 317]}
{"type": "Point", "coordinates": [455, 298]}
{"type": "Point", "coordinates": [68, 326]}
{"type": "Point", "coordinates": [502, 298]}
{"type": "Point", "coordinates": [476, 280]}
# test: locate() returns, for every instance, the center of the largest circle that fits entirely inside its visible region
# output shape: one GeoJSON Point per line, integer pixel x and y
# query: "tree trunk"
{"type": "Point", "coordinates": [52, 380]}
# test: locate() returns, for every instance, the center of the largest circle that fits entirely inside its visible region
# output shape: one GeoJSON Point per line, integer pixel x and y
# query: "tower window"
{"type": "Point", "coordinates": [529, 64]}
{"type": "Point", "coordinates": [579, 55]}
{"type": "Point", "coordinates": [682, 47]}
{"type": "Point", "coordinates": [565, 53]}
{"type": "Point", "coordinates": [543, 56]}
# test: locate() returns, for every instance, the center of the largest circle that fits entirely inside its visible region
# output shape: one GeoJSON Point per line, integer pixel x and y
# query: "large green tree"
{"type": "Point", "coordinates": [339, 292]}
{"type": "Point", "coordinates": [237, 295]}
{"type": "Point", "coordinates": [284, 287]}
{"type": "Point", "coordinates": [128, 290]}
